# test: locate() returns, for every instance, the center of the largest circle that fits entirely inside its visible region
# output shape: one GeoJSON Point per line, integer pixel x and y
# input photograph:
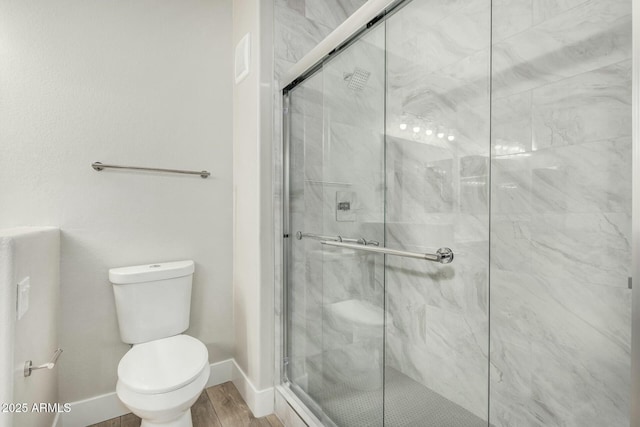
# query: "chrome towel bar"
{"type": "Point", "coordinates": [442, 255]}
{"type": "Point", "coordinates": [100, 166]}
{"type": "Point", "coordinates": [300, 235]}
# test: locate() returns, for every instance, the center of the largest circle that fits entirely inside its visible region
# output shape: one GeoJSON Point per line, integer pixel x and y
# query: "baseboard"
{"type": "Point", "coordinates": [104, 407]}
{"type": "Point", "coordinates": [107, 406]}
{"type": "Point", "coordinates": [93, 410]}
{"type": "Point", "coordinates": [259, 401]}
{"type": "Point", "coordinates": [221, 372]}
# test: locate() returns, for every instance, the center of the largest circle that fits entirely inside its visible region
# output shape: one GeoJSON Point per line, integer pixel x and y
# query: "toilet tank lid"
{"type": "Point", "coordinates": [150, 272]}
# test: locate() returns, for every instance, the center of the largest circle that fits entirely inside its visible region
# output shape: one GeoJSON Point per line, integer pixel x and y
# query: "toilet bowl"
{"type": "Point", "coordinates": [160, 380]}
{"type": "Point", "coordinates": [165, 371]}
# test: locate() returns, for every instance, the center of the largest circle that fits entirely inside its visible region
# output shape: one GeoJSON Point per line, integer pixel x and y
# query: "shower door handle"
{"type": "Point", "coordinates": [442, 255]}
{"type": "Point", "coordinates": [362, 241]}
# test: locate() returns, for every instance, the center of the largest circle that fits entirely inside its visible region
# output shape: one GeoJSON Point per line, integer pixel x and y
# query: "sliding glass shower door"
{"type": "Point", "coordinates": [387, 152]}
{"type": "Point", "coordinates": [499, 130]}
{"type": "Point", "coordinates": [335, 294]}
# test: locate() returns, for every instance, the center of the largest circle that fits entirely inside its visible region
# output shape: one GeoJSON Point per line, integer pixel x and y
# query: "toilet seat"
{"type": "Point", "coordinates": [163, 365]}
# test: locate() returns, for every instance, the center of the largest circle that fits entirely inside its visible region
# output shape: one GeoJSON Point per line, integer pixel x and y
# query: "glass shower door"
{"type": "Point", "coordinates": [437, 194]}
{"type": "Point", "coordinates": [335, 294]}
{"type": "Point", "coordinates": [501, 130]}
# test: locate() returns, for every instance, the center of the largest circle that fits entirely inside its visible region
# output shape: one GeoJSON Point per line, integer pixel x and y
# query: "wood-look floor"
{"type": "Point", "coordinates": [218, 406]}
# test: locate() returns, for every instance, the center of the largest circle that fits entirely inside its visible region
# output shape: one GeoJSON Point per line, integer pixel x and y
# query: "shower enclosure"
{"type": "Point", "coordinates": [457, 218]}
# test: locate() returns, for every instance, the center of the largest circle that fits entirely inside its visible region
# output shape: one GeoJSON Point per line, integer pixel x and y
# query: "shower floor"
{"type": "Point", "coordinates": [407, 403]}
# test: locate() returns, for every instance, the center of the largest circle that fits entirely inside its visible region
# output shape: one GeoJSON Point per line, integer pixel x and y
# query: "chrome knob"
{"type": "Point", "coordinates": [446, 255]}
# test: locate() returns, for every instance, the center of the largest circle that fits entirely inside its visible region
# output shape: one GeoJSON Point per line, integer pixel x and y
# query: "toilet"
{"type": "Point", "coordinates": [165, 371]}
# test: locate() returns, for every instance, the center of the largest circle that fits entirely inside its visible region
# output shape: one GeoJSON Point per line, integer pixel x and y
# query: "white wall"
{"type": "Point", "coordinates": [144, 82]}
{"type": "Point", "coordinates": [33, 254]}
{"type": "Point", "coordinates": [253, 232]}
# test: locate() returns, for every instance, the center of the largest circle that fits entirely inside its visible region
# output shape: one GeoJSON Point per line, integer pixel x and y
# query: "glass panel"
{"type": "Point", "coordinates": [437, 168]}
{"type": "Point", "coordinates": [353, 206]}
{"type": "Point", "coordinates": [561, 214]}
{"type": "Point", "coordinates": [304, 276]}
{"type": "Point", "coordinates": [336, 295]}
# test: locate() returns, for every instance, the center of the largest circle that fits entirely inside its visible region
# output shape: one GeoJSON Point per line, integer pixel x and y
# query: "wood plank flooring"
{"type": "Point", "coordinates": [218, 406]}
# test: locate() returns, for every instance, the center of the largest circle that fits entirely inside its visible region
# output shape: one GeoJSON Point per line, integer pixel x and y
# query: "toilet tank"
{"type": "Point", "coordinates": [153, 301]}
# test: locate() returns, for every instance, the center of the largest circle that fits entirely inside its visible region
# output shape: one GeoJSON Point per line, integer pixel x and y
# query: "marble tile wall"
{"type": "Point", "coordinates": [561, 213]}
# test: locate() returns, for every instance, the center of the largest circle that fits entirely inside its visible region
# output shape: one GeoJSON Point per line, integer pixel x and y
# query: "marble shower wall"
{"type": "Point", "coordinates": [561, 213]}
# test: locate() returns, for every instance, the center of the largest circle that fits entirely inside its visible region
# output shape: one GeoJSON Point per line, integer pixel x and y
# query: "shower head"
{"type": "Point", "coordinates": [357, 80]}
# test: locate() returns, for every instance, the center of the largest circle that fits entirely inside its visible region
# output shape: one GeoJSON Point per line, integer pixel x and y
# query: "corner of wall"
{"type": "Point", "coordinates": [253, 241]}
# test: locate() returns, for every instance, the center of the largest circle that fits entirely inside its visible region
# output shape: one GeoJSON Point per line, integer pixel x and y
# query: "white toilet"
{"type": "Point", "coordinates": [165, 372]}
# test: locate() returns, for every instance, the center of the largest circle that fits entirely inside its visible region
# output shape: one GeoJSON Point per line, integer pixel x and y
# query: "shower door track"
{"type": "Point", "coordinates": [362, 20]}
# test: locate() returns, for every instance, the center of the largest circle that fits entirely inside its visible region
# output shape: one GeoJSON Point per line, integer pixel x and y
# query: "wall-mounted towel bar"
{"type": "Point", "coordinates": [100, 166]}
